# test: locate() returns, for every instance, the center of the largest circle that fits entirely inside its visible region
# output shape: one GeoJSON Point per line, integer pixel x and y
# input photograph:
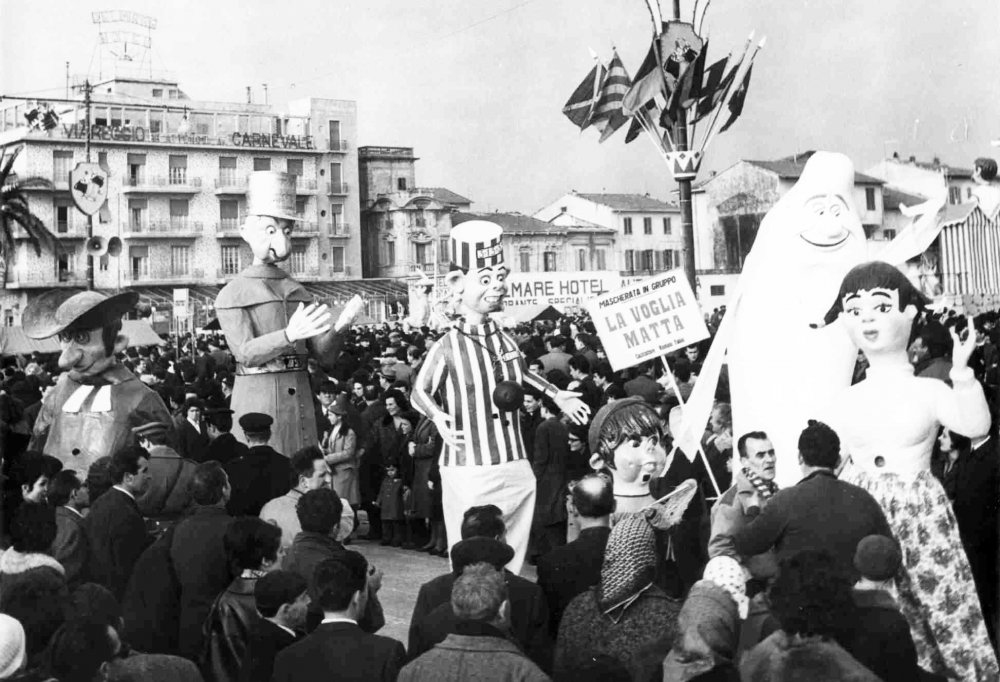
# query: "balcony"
{"type": "Point", "coordinates": [71, 230]}
{"type": "Point", "coordinates": [305, 229]}
{"type": "Point", "coordinates": [336, 188]}
{"type": "Point", "coordinates": [306, 274]}
{"type": "Point", "coordinates": [174, 184]}
{"type": "Point", "coordinates": [426, 268]}
{"type": "Point", "coordinates": [57, 185]}
{"type": "Point", "coordinates": [304, 185]}
{"type": "Point", "coordinates": [340, 231]}
{"type": "Point", "coordinates": [231, 183]}
{"type": "Point", "coordinates": [336, 145]}
{"type": "Point", "coordinates": [228, 227]}
{"type": "Point", "coordinates": [226, 274]}
{"type": "Point", "coordinates": [26, 279]}
{"type": "Point", "coordinates": [161, 276]}
{"type": "Point", "coordinates": [159, 229]}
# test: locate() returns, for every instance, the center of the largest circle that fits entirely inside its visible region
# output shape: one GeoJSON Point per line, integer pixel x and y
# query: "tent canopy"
{"type": "Point", "coordinates": [13, 340]}
{"type": "Point", "coordinates": [531, 313]}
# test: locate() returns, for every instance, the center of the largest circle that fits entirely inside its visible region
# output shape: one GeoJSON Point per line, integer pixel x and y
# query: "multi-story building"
{"type": "Point", "coordinates": [178, 172]}
{"type": "Point", "coordinates": [925, 178]}
{"type": "Point", "coordinates": [632, 233]}
{"type": "Point", "coordinates": [404, 228]}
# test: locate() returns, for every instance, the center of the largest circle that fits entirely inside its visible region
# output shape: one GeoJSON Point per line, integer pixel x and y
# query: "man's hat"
{"type": "Point", "coordinates": [255, 422]}
{"type": "Point", "coordinates": [327, 387]}
{"type": "Point", "coordinates": [478, 549]}
{"type": "Point", "coordinates": [272, 194]}
{"type": "Point", "coordinates": [340, 405]}
{"type": "Point", "coordinates": [150, 430]}
{"type": "Point", "coordinates": [389, 372]}
{"type": "Point", "coordinates": [476, 244]}
{"type": "Point", "coordinates": [57, 310]}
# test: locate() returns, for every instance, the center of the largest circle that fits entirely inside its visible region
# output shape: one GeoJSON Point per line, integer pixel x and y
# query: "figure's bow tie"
{"type": "Point", "coordinates": [101, 402]}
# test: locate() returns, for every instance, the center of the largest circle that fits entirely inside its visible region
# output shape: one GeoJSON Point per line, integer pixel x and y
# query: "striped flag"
{"type": "Point", "coordinates": [581, 103]}
{"type": "Point", "coordinates": [608, 115]}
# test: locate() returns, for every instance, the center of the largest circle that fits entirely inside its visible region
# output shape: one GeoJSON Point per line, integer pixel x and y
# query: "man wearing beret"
{"type": "Point", "coordinates": [260, 475]}
{"type": "Point", "coordinates": [271, 323]}
{"type": "Point", "coordinates": [97, 402]}
{"type": "Point", "coordinates": [470, 387]}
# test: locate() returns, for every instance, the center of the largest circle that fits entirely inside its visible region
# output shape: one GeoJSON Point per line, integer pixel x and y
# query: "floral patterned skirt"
{"type": "Point", "coordinates": [935, 589]}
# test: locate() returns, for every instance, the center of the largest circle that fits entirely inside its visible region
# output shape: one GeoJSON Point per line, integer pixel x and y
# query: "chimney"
{"type": "Point", "coordinates": [913, 159]}
{"type": "Point", "coordinates": [937, 161]}
{"type": "Point", "coordinates": [249, 96]}
{"type": "Point", "coordinates": [895, 155]}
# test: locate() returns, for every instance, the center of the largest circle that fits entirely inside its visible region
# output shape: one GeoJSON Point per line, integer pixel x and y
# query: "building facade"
{"type": "Point", "coordinates": [925, 178]}
{"type": "Point", "coordinates": [178, 172]}
{"type": "Point", "coordinates": [405, 228]}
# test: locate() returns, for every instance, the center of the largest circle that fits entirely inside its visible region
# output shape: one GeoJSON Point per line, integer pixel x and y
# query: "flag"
{"type": "Point", "coordinates": [581, 103]}
{"type": "Point", "coordinates": [608, 116]}
{"type": "Point", "coordinates": [648, 83]}
{"type": "Point", "coordinates": [713, 88]}
{"type": "Point", "coordinates": [687, 89]}
{"type": "Point", "coordinates": [737, 100]}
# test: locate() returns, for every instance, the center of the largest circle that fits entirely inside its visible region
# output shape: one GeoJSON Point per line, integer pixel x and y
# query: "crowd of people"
{"type": "Point", "coordinates": [193, 555]}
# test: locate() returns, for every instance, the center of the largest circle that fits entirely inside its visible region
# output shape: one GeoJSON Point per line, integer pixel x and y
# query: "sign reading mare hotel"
{"type": "Point", "coordinates": [647, 319]}
{"type": "Point", "coordinates": [561, 289]}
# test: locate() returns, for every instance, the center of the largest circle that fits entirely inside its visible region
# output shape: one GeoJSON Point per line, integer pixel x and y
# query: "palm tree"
{"type": "Point", "coordinates": [15, 212]}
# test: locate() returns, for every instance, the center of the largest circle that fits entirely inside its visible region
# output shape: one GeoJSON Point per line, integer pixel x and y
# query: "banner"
{"type": "Point", "coordinates": [561, 289]}
{"type": "Point", "coordinates": [647, 319]}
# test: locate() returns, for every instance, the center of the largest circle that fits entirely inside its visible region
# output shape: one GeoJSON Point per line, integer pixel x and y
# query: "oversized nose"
{"type": "Point", "coordinates": [69, 357]}
{"type": "Point", "coordinates": [281, 244]}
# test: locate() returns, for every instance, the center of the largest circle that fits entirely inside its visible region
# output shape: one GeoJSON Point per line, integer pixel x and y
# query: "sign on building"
{"type": "Point", "coordinates": [561, 289]}
{"type": "Point", "coordinates": [647, 319]}
{"type": "Point", "coordinates": [181, 301]}
{"type": "Point", "coordinates": [88, 185]}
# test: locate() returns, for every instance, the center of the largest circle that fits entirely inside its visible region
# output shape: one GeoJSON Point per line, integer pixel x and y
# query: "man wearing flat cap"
{"type": "Point", "coordinates": [97, 402]}
{"type": "Point", "coordinates": [167, 497]}
{"type": "Point", "coordinates": [470, 387]}
{"type": "Point", "coordinates": [260, 475]}
{"type": "Point", "coordinates": [272, 324]}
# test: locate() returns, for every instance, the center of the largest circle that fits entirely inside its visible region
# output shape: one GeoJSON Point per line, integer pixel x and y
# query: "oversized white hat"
{"type": "Point", "coordinates": [272, 193]}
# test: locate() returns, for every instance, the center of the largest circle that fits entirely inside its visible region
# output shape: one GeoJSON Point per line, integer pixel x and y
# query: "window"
{"type": "Point", "coordinates": [261, 164]}
{"type": "Point", "coordinates": [420, 255]}
{"type": "Point", "coordinates": [178, 169]}
{"type": "Point", "coordinates": [102, 161]}
{"type": "Point", "coordinates": [581, 260]}
{"type": "Point", "coordinates": [173, 93]}
{"type": "Point", "coordinates": [294, 167]}
{"type": "Point", "coordinates": [297, 261]}
{"type": "Point", "coordinates": [647, 260]}
{"type": "Point", "coordinates": [178, 214]}
{"type": "Point", "coordinates": [630, 260]}
{"type": "Point", "coordinates": [954, 195]}
{"type": "Point", "coordinates": [888, 235]}
{"type": "Point", "coordinates": [443, 255]}
{"type": "Point", "coordinates": [667, 258]}
{"type": "Point", "coordinates": [62, 164]}
{"type": "Point", "coordinates": [401, 184]}
{"type": "Point", "coordinates": [524, 260]}
{"type": "Point", "coordinates": [336, 177]}
{"type": "Point", "coordinates": [337, 258]}
{"type": "Point", "coordinates": [180, 260]}
{"type": "Point", "coordinates": [390, 253]}
{"type": "Point", "coordinates": [717, 290]}
{"type": "Point", "coordinates": [667, 227]}
{"type": "Point", "coordinates": [647, 226]}
{"type": "Point", "coordinates": [63, 219]}
{"type": "Point", "coordinates": [419, 219]}
{"type": "Point", "coordinates": [157, 92]}
{"type": "Point", "coordinates": [602, 263]}
{"type": "Point", "coordinates": [137, 215]}
{"type": "Point", "coordinates": [229, 215]}
{"type": "Point", "coordinates": [227, 171]}
{"type": "Point", "coordinates": [337, 219]}
{"type": "Point", "coordinates": [66, 264]}
{"type": "Point", "coordinates": [300, 206]}
{"type": "Point", "coordinates": [103, 263]}
{"type": "Point", "coordinates": [136, 169]}
{"type": "Point", "coordinates": [334, 134]}
{"type": "Point", "coordinates": [139, 261]}
{"type": "Point", "coordinates": [231, 260]}
{"type": "Point", "coordinates": [549, 261]}
{"type": "Point", "coordinates": [155, 126]}
{"type": "Point", "coordinates": [627, 222]}
{"type": "Point", "coordinates": [870, 198]}
{"type": "Point", "coordinates": [677, 259]}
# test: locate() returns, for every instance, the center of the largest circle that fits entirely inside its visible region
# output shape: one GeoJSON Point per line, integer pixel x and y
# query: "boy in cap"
{"type": "Point", "coordinates": [92, 409]}
{"type": "Point", "coordinates": [272, 324]}
{"type": "Point", "coordinates": [470, 387]}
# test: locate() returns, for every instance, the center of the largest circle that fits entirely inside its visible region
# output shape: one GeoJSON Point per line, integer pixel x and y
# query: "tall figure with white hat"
{"type": "Point", "coordinates": [470, 387]}
{"type": "Point", "coordinates": [272, 323]}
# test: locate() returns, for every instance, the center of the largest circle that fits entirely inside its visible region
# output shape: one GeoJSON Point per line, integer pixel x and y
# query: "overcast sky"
{"type": "Point", "coordinates": [476, 86]}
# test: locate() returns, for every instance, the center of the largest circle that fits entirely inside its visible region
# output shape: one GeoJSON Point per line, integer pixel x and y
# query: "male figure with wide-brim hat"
{"type": "Point", "coordinates": [272, 324]}
{"type": "Point", "coordinates": [470, 387]}
{"type": "Point", "coordinates": [97, 402]}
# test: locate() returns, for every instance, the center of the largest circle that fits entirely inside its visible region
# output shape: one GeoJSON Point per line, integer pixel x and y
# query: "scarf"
{"type": "Point", "coordinates": [765, 489]}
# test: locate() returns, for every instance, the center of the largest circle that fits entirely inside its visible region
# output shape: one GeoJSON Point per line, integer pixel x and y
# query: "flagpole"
{"type": "Point", "coordinates": [654, 139]}
{"type": "Point", "coordinates": [684, 185]}
{"type": "Point", "coordinates": [725, 95]}
{"type": "Point", "coordinates": [680, 402]}
{"type": "Point", "coordinates": [713, 131]}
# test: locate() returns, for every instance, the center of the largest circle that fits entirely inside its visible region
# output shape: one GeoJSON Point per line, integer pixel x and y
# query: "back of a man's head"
{"type": "Point", "coordinates": [62, 486]}
{"type": "Point", "coordinates": [336, 580]}
{"type": "Point", "coordinates": [593, 496]}
{"type": "Point", "coordinates": [302, 463]}
{"type": "Point", "coordinates": [208, 483]}
{"type": "Point", "coordinates": [819, 445]}
{"type": "Point", "coordinates": [78, 651]}
{"type": "Point", "coordinates": [39, 604]}
{"type": "Point", "coordinates": [94, 603]}
{"type": "Point", "coordinates": [319, 511]}
{"type": "Point", "coordinates": [484, 521]}
{"type": "Point", "coordinates": [478, 593]}
{"type": "Point", "coordinates": [126, 461]}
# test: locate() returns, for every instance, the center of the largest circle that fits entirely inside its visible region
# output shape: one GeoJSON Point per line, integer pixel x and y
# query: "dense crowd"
{"type": "Point", "coordinates": [192, 555]}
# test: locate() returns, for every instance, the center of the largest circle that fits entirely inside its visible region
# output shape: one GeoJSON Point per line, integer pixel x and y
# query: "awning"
{"type": "Point", "coordinates": [343, 290]}
{"type": "Point", "coordinates": [13, 340]}
{"type": "Point", "coordinates": [530, 313]}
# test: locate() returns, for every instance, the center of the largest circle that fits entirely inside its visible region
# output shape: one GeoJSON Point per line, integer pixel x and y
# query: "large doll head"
{"type": "Point", "coordinates": [877, 304]}
{"type": "Point", "coordinates": [478, 276]}
{"type": "Point", "coordinates": [270, 216]}
{"type": "Point", "coordinates": [88, 325]}
{"type": "Point", "coordinates": [628, 438]}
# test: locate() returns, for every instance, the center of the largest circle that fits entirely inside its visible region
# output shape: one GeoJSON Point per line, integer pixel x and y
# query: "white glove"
{"type": "Point", "coordinates": [307, 322]}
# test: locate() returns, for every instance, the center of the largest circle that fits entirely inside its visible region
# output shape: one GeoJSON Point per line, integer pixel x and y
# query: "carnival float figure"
{"type": "Point", "coordinates": [887, 425]}
{"type": "Point", "coordinates": [97, 401]}
{"type": "Point", "coordinates": [470, 387]}
{"type": "Point", "coordinates": [272, 323]}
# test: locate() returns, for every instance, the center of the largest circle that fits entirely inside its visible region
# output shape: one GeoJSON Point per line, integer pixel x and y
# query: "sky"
{"type": "Point", "coordinates": [476, 87]}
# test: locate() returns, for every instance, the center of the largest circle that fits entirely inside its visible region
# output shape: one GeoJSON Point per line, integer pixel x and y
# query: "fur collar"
{"type": "Point", "coordinates": [13, 562]}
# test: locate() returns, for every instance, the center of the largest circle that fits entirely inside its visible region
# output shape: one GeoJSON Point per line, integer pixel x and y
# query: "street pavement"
{"type": "Point", "coordinates": [404, 571]}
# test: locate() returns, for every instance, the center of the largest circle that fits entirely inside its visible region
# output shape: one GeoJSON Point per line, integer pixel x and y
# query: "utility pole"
{"type": "Point", "coordinates": [684, 189]}
{"type": "Point", "coordinates": [90, 219]}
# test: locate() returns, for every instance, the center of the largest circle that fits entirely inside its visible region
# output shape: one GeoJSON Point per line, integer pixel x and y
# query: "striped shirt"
{"type": "Point", "coordinates": [458, 377]}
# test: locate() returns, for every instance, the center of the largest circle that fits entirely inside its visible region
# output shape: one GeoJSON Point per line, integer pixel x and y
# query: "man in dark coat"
{"type": "Point", "coordinates": [530, 415]}
{"type": "Point", "coordinates": [569, 570]}
{"type": "Point", "coordinates": [818, 512]}
{"type": "Point", "coordinates": [339, 648]}
{"type": "Point", "coordinates": [116, 532]}
{"type": "Point", "coordinates": [260, 475]}
{"type": "Point", "coordinates": [198, 556]}
{"type": "Point", "coordinates": [168, 495]}
{"type": "Point", "coordinates": [189, 431]}
{"type": "Point", "coordinates": [223, 446]}
{"type": "Point", "coordinates": [70, 497]}
{"type": "Point", "coordinates": [551, 458]}
{"type": "Point", "coordinates": [282, 598]}
{"type": "Point", "coordinates": [433, 619]}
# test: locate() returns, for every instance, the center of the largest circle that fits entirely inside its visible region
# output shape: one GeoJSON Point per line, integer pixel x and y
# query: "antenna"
{"type": "Point", "coordinates": [115, 34]}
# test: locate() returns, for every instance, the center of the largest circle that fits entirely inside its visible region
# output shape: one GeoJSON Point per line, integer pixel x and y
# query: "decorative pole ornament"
{"type": "Point", "coordinates": [684, 165]}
